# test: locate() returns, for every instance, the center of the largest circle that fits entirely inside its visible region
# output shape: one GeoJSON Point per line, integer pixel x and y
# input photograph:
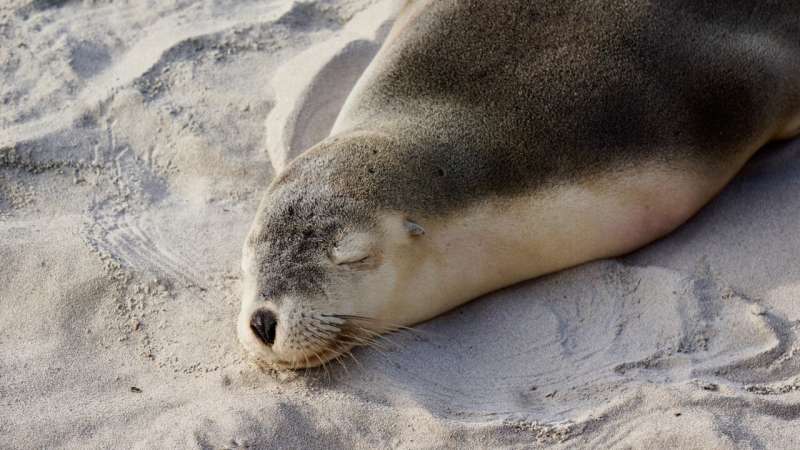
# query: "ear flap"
{"type": "Point", "coordinates": [413, 228]}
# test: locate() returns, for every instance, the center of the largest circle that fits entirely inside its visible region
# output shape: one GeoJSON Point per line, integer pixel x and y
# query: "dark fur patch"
{"type": "Point", "coordinates": [298, 227]}
{"type": "Point", "coordinates": [513, 96]}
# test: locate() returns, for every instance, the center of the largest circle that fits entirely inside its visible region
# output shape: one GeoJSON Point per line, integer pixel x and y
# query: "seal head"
{"type": "Point", "coordinates": [320, 267]}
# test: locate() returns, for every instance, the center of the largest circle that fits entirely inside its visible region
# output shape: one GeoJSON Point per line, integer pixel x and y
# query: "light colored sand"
{"type": "Point", "coordinates": [135, 138]}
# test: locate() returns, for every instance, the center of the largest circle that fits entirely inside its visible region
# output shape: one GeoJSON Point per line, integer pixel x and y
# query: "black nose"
{"type": "Point", "coordinates": [263, 324]}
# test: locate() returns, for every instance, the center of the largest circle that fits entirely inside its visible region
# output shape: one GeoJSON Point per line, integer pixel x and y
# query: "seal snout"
{"type": "Point", "coordinates": [264, 324]}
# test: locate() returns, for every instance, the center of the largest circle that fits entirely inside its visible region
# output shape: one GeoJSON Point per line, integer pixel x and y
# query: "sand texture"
{"type": "Point", "coordinates": [135, 140]}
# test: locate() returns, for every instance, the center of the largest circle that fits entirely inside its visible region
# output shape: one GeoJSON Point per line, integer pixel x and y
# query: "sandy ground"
{"type": "Point", "coordinates": [135, 138]}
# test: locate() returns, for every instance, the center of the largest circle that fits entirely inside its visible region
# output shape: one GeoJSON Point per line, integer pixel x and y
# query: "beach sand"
{"type": "Point", "coordinates": [135, 140]}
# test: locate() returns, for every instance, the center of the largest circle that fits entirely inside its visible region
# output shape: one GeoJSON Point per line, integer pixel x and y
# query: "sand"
{"type": "Point", "coordinates": [135, 140]}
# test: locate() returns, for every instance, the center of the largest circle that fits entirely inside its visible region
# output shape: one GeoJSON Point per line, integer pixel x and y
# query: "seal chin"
{"type": "Point", "coordinates": [309, 360]}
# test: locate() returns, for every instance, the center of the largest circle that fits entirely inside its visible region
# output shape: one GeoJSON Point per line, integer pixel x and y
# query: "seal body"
{"type": "Point", "coordinates": [487, 144]}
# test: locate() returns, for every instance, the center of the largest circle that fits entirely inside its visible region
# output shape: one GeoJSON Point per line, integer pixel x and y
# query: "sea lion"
{"type": "Point", "coordinates": [492, 142]}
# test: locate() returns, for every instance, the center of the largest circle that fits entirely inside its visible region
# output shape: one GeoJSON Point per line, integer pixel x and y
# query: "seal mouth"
{"type": "Point", "coordinates": [317, 359]}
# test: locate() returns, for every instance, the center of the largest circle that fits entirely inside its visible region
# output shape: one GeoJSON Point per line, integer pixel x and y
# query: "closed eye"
{"type": "Point", "coordinates": [355, 261]}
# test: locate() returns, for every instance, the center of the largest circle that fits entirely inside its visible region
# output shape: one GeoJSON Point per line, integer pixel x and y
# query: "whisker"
{"type": "Point", "coordinates": [338, 359]}
{"type": "Point", "coordinates": [377, 350]}
{"type": "Point", "coordinates": [322, 334]}
{"type": "Point", "coordinates": [316, 342]}
{"type": "Point", "coordinates": [331, 319]}
{"type": "Point", "coordinates": [322, 363]}
{"type": "Point", "coordinates": [311, 332]}
{"type": "Point", "coordinates": [366, 342]}
{"type": "Point", "coordinates": [335, 335]}
{"type": "Point", "coordinates": [377, 335]}
{"type": "Point", "coordinates": [379, 325]}
{"type": "Point", "coordinates": [327, 328]}
{"type": "Point", "coordinates": [355, 360]}
{"type": "Point", "coordinates": [346, 339]}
